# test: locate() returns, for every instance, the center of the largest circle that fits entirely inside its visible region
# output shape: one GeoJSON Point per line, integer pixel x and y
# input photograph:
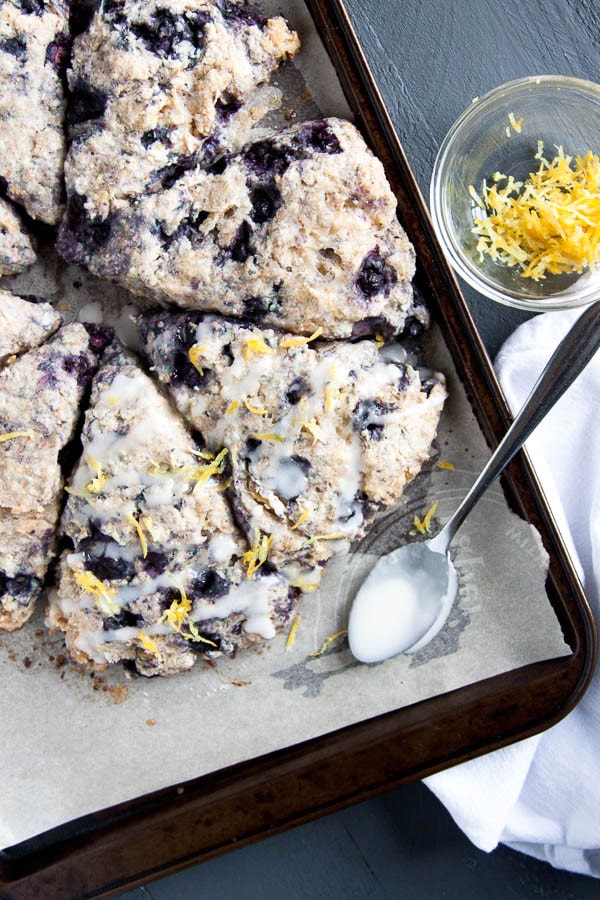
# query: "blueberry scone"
{"type": "Point", "coordinates": [155, 87]}
{"type": "Point", "coordinates": [34, 45]}
{"type": "Point", "coordinates": [320, 435]}
{"type": "Point", "coordinates": [156, 573]}
{"type": "Point", "coordinates": [24, 323]}
{"type": "Point", "coordinates": [298, 230]}
{"type": "Point", "coordinates": [40, 394]}
{"type": "Point", "coordinates": [16, 249]}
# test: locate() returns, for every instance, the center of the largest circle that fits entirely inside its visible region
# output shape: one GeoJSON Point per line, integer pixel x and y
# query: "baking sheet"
{"type": "Point", "coordinates": [71, 744]}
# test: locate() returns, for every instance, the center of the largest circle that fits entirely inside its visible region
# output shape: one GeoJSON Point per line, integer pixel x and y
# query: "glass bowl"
{"type": "Point", "coordinates": [555, 109]}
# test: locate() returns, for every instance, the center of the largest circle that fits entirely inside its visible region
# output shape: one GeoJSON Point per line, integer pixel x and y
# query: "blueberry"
{"type": "Point", "coordinates": [369, 416]}
{"type": "Point", "coordinates": [15, 46]}
{"type": "Point", "coordinates": [256, 308]}
{"type": "Point", "coordinates": [58, 52]}
{"type": "Point", "coordinates": [185, 372]}
{"type": "Point", "coordinates": [155, 563]}
{"type": "Point", "coordinates": [375, 276]}
{"type": "Point", "coordinates": [219, 165]}
{"type": "Point", "coordinates": [241, 247]}
{"type": "Point", "coordinates": [241, 12]}
{"type": "Point", "coordinates": [168, 175]}
{"type": "Point", "coordinates": [82, 12]}
{"type": "Point", "coordinates": [265, 200]}
{"type": "Point", "coordinates": [35, 7]}
{"type": "Point", "coordinates": [95, 536]}
{"type": "Point", "coordinates": [3, 186]}
{"type": "Point", "coordinates": [123, 619]}
{"type": "Point", "coordinates": [210, 584]}
{"type": "Point", "coordinates": [404, 378]}
{"type": "Point", "coordinates": [92, 232]}
{"type": "Point", "coordinates": [166, 31]}
{"type": "Point", "coordinates": [413, 327]}
{"type": "Point", "coordinates": [79, 367]}
{"type": "Point", "coordinates": [268, 158]}
{"type": "Point", "coordinates": [297, 389]}
{"type": "Point", "coordinates": [108, 568]}
{"type": "Point", "coordinates": [155, 134]}
{"type": "Point", "coordinates": [188, 228]}
{"type": "Point", "coordinates": [228, 354]}
{"type": "Point", "coordinates": [227, 106]}
{"type": "Point", "coordinates": [18, 585]}
{"type": "Point", "coordinates": [100, 336]}
{"type": "Point", "coordinates": [252, 445]}
{"type": "Point", "coordinates": [371, 325]}
{"type": "Point", "coordinates": [317, 136]}
{"type": "Point", "coordinates": [85, 104]}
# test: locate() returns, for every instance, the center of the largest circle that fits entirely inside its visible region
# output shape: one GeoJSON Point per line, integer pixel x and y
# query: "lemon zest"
{"type": "Point", "coordinates": [269, 436]}
{"type": "Point", "coordinates": [292, 633]}
{"type": "Point", "coordinates": [147, 642]}
{"type": "Point", "coordinates": [103, 594]}
{"type": "Point", "coordinates": [195, 353]}
{"type": "Point", "coordinates": [10, 435]}
{"type": "Point", "coordinates": [300, 520]}
{"type": "Point", "coordinates": [298, 341]}
{"type": "Point", "coordinates": [148, 523]}
{"type": "Point", "coordinates": [232, 407]}
{"type": "Point", "coordinates": [140, 533]}
{"type": "Point", "coordinates": [328, 642]}
{"type": "Point", "coordinates": [258, 411]}
{"type": "Point", "coordinates": [313, 428]}
{"type": "Point", "coordinates": [96, 484]}
{"type": "Point", "coordinates": [442, 464]}
{"type": "Point", "coordinates": [334, 536]}
{"type": "Point", "coordinates": [423, 526]}
{"type": "Point", "coordinates": [203, 473]}
{"type": "Point", "coordinates": [257, 555]}
{"type": "Point", "coordinates": [515, 124]}
{"type": "Point", "coordinates": [256, 345]}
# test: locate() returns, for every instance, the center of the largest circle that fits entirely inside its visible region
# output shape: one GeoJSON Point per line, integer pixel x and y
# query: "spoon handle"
{"type": "Point", "coordinates": [569, 359]}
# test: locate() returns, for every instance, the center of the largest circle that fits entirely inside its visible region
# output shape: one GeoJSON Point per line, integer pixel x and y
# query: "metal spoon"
{"type": "Point", "coordinates": [408, 595]}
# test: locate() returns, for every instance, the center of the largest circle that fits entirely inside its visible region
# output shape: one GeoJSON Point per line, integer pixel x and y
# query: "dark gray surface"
{"type": "Point", "coordinates": [431, 58]}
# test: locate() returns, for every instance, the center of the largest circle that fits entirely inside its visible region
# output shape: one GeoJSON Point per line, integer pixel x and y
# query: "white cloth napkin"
{"type": "Point", "coordinates": [542, 795]}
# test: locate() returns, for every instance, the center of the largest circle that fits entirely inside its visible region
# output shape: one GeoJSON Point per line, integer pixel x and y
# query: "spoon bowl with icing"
{"type": "Point", "coordinates": [408, 595]}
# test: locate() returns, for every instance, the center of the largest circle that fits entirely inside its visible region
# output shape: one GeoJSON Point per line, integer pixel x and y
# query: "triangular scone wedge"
{"type": "Point", "coordinates": [322, 435]}
{"type": "Point", "coordinates": [34, 47]}
{"type": "Point", "coordinates": [16, 249]}
{"type": "Point", "coordinates": [24, 324]}
{"type": "Point", "coordinates": [40, 396]}
{"type": "Point", "coordinates": [155, 575]}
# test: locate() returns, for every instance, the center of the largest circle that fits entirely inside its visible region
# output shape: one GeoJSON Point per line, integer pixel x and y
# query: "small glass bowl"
{"type": "Point", "coordinates": [555, 109]}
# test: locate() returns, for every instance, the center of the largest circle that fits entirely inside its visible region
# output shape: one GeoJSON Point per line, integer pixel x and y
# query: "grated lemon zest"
{"type": "Point", "coordinates": [257, 555]}
{"type": "Point", "coordinates": [328, 642]}
{"type": "Point", "coordinates": [442, 464]}
{"type": "Point", "coordinates": [147, 642]}
{"type": "Point", "coordinates": [92, 585]}
{"type": "Point", "coordinates": [131, 518]}
{"type": "Point", "coordinates": [256, 345]}
{"type": "Point", "coordinates": [10, 435]}
{"type": "Point", "coordinates": [96, 484]}
{"type": "Point", "coordinates": [232, 407]}
{"type": "Point", "coordinates": [547, 224]}
{"type": "Point", "coordinates": [300, 520]}
{"type": "Point", "coordinates": [213, 468]}
{"type": "Point", "coordinates": [148, 523]}
{"type": "Point", "coordinates": [178, 611]}
{"type": "Point", "coordinates": [515, 124]}
{"type": "Point", "coordinates": [292, 633]}
{"type": "Point", "coordinates": [423, 526]}
{"type": "Point", "coordinates": [379, 339]}
{"type": "Point", "coordinates": [313, 427]}
{"type": "Point", "coordinates": [269, 437]}
{"type": "Point", "coordinates": [334, 536]}
{"type": "Point", "coordinates": [194, 354]}
{"type": "Point", "coordinates": [253, 409]}
{"type": "Point", "coordinates": [298, 341]}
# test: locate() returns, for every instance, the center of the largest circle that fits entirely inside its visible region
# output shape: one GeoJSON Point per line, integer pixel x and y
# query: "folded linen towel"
{"type": "Point", "coordinates": [542, 795]}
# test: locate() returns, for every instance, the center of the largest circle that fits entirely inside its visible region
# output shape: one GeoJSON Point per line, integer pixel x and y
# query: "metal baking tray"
{"type": "Point", "coordinates": [123, 846]}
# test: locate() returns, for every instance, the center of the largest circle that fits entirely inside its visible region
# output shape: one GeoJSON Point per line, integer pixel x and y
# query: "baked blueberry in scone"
{"type": "Point", "coordinates": [40, 395]}
{"type": "Point", "coordinates": [156, 87]}
{"type": "Point", "coordinates": [16, 250]}
{"type": "Point", "coordinates": [321, 435]}
{"type": "Point", "coordinates": [298, 230]}
{"type": "Point", "coordinates": [34, 45]}
{"type": "Point", "coordinates": [24, 323]}
{"type": "Point", "coordinates": [157, 573]}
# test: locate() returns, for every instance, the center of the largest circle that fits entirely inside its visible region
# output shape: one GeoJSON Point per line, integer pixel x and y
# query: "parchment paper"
{"type": "Point", "coordinates": [71, 744]}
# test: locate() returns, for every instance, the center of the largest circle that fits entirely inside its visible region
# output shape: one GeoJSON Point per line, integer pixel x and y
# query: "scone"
{"type": "Point", "coordinates": [298, 231]}
{"type": "Point", "coordinates": [24, 323]}
{"type": "Point", "coordinates": [320, 435]}
{"type": "Point", "coordinates": [157, 573]}
{"type": "Point", "coordinates": [16, 249]}
{"type": "Point", "coordinates": [40, 395]}
{"type": "Point", "coordinates": [156, 86]}
{"type": "Point", "coordinates": [34, 45]}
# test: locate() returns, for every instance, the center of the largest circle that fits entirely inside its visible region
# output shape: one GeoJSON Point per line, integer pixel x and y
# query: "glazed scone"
{"type": "Point", "coordinates": [16, 249]}
{"type": "Point", "coordinates": [156, 85]}
{"type": "Point", "coordinates": [298, 231]}
{"type": "Point", "coordinates": [321, 435]}
{"type": "Point", "coordinates": [40, 395]}
{"type": "Point", "coordinates": [158, 574]}
{"type": "Point", "coordinates": [24, 323]}
{"type": "Point", "coordinates": [34, 45]}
